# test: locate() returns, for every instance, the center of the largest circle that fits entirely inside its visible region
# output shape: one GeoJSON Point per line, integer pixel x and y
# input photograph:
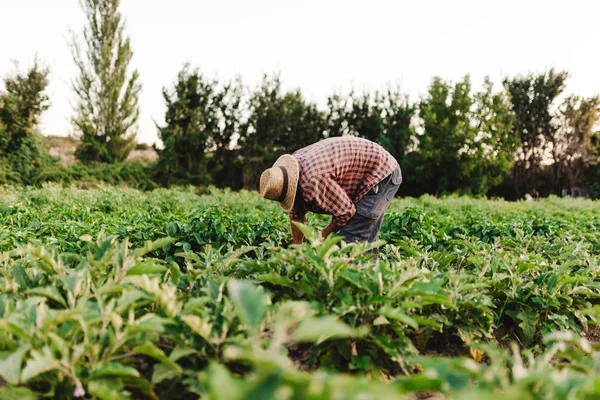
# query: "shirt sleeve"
{"type": "Point", "coordinates": [333, 200]}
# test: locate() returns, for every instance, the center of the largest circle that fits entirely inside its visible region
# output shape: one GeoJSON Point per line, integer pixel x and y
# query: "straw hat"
{"type": "Point", "coordinates": [280, 182]}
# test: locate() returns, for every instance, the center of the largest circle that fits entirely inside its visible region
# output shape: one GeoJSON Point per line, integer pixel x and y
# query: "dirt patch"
{"type": "Point", "coordinates": [426, 396]}
{"type": "Point", "coordinates": [592, 334]}
{"type": "Point", "coordinates": [143, 154]}
{"type": "Point", "coordinates": [445, 346]}
{"type": "Point", "coordinates": [63, 148]}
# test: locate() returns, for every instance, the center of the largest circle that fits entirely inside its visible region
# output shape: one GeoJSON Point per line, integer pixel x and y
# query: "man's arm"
{"type": "Point", "coordinates": [297, 235]}
{"type": "Point", "coordinates": [335, 201]}
{"type": "Point", "coordinates": [331, 228]}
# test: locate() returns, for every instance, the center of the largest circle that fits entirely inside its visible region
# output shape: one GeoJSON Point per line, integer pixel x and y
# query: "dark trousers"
{"type": "Point", "coordinates": [364, 226]}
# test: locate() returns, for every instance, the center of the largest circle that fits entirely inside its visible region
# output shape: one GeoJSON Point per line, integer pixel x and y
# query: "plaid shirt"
{"type": "Point", "coordinates": [336, 173]}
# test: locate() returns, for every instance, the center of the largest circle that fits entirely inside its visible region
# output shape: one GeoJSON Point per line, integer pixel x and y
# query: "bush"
{"type": "Point", "coordinates": [23, 156]}
{"type": "Point", "coordinates": [132, 174]}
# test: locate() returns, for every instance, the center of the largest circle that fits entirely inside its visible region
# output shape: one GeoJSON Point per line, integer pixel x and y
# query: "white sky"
{"type": "Point", "coordinates": [321, 46]}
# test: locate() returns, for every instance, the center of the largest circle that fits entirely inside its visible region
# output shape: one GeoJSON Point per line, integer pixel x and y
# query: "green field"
{"type": "Point", "coordinates": [114, 293]}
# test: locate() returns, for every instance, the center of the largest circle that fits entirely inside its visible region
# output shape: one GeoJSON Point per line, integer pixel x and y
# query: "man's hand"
{"type": "Point", "coordinates": [297, 235]}
{"type": "Point", "coordinates": [332, 227]}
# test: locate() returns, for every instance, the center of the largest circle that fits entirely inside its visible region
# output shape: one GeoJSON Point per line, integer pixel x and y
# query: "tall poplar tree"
{"type": "Point", "coordinates": [107, 107]}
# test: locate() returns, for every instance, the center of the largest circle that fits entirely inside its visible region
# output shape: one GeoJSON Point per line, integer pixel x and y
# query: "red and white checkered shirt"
{"type": "Point", "coordinates": [336, 173]}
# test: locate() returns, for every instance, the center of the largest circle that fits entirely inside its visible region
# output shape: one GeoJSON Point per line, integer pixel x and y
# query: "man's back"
{"type": "Point", "coordinates": [351, 179]}
{"type": "Point", "coordinates": [355, 164]}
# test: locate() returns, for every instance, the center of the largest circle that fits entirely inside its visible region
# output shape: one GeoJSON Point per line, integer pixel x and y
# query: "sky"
{"type": "Point", "coordinates": [319, 46]}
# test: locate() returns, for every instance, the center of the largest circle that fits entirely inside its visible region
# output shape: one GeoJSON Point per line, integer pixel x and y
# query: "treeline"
{"type": "Point", "coordinates": [503, 141]}
{"type": "Point", "coordinates": [455, 139]}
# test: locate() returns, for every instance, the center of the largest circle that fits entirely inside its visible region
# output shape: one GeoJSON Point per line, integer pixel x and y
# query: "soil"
{"type": "Point", "coordinates": [592, 334]}
{"type": "Point", "coordinates": [63, 148]}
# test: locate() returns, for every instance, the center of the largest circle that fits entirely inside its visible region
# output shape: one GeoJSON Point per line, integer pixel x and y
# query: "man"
{"type": "Point", "coordinates": [352, 179]}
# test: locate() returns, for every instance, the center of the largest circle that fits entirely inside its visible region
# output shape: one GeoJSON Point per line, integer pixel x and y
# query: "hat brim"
{"type": "Point", "coordinates": [293, 170]}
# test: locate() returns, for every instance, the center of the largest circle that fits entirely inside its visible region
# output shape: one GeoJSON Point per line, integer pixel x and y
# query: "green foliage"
{"type": "Point", "coordinates": [202, 119]}
{"type": "Point", "coordinates": [114, 293]}
{"type": "Point", "coordinates": [130, 174]}
{"type": "Point", "coordinates": [107, 93]}
{"type": "Point", "coordinates": [493, 148]}
{"type": "Point", "coordinates": [532, 98]}
{"type": "Point", "coordinates": [398, 131]}
{"type": "Point", "coordinates": [279, 122]}
{"type": "Point", "coordinates": [365, 117]}
{"type": "Point", "coordinates": [574, 147]}
{"type": "Point", "coordinates": [455, 140]}
{"type": "Point", "coordinates": [466, 144]}
{"type": "Point", "coordinates": [446, 123]}
{"type": "Point", "coordinates": [382, 118]}
{"type": "Point", "coordinates": [23, 157]}
{"type": "Point", "coordinates": [192, 128]}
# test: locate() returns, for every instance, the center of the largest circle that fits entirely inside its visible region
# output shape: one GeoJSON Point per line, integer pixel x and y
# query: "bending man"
{"type": "Point", "coordinates": [349, 178]}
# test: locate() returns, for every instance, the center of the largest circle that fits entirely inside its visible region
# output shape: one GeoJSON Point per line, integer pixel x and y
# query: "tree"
{"type": "Point", "coordinates": [23, 157]}
{"type": "Point", "coordinates": [492, 151]}
{"type": "Point", "coordinates": [574, 144]}
{"type": "Point", "coordinates": [336, 116]}
{"type": "Point", "coordinates": [398, 131]}
{"type": "Point", "coordinates": [303, 123]}
{"type": "Point", "coordinates": [365, 118]}
{"type": "Point", "coordinates": [385, 118]}
{"type": "Point", "coordinates": [277, 123]}
{"type": "Point", "coordinates": [466, 143]}
{"type": "Point", "coordinates": [223, 165]}
{"type": "Point", "coordinates": [445, 113]}
{"type": "Point", "coordinates": [532, 99]}
{"type": "Point", "coordinates": [231, 110]}
{"type": "Point", "coordinates": [107, 108]}
{"type": "Point", "coordinates": [265, 122]}
{"type": "Point", "coordinates": [192, 127]}
{"type": "Point", "coordinates": [22, 105]}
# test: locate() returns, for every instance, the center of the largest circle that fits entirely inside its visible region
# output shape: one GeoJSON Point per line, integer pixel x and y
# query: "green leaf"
{"type": "Point", "coordinates": [150, 350]}
{"type": "Point", "coordinates": [250, 303]}
{"type": "Point", "coordinates": [221, 385]}
{"type": "Point", "coordinates": [276, 279]}
{"type": "Point", "coordinates": [149, 246]}
{"type": "Point", "coordinates": [171, 229]}
{"type": "Point", "coordinates": [180, 352]}
{"type": "Point", "coordinates": [40, 362]}
{"type": "Point", "coordinates": [362, 363]}
{"type": "Point", "coordinates": [318, 330]}
{"type": "Point", "coordinates": [162, 372]}
{"type": "Point", "coordinates": [50, 292]}
{"type": "Point", "coordinates": [21, 276]}
{"type": "Point", "coordinates": [328, 244]}
{"type": "Point", "coordinates": [266, 387]}
{"type": "Point", "coordinates": [107, 389]}
{"type": "Point", "coordinates": [20, 393]}
{"type": "Point", "coordinates": [398, 315]}
{"type": "Point", "coordinates": [175, 273]}
{"type": "Point", "coordinates": [10, 367]}
{"type": "Point", "coordinates": [200, 326]}
{"type": "Point", "coordinates": [16, 330]}
{"type": "Point", "coordinates": [114, 370]}
{"type": "Point", "coordinates": [71, 281]}
{"type": "Point", "coordinates": [420, 383]}
{"type": "Point", "coordinates": [527, 319]}
{"type": "Point", "coordinates": [146, 267]}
